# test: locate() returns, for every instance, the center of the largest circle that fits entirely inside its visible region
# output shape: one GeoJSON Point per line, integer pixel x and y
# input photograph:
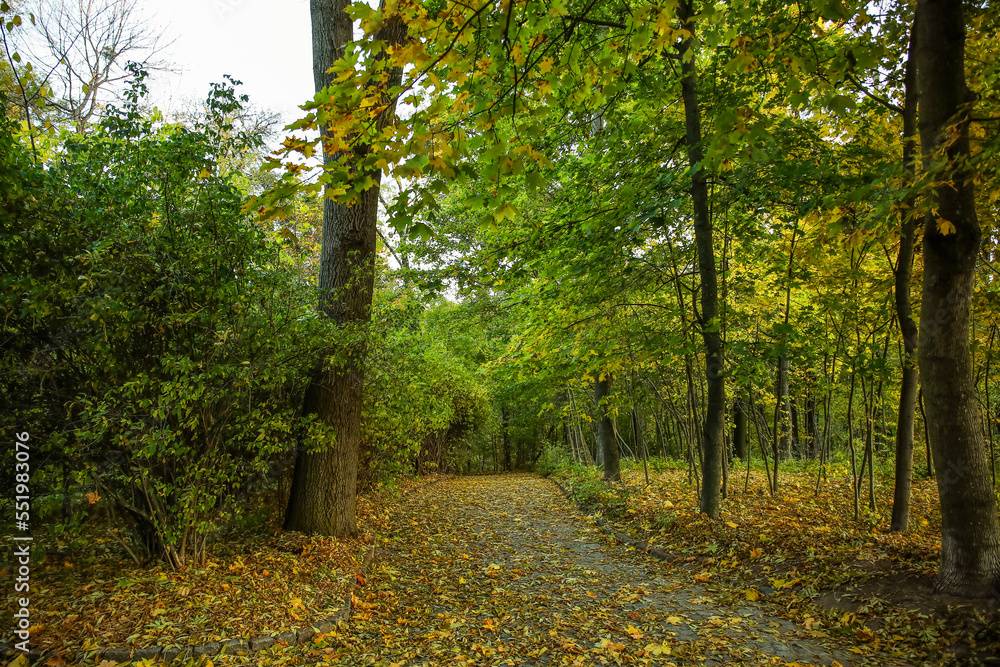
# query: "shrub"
{"type": "Point", "coordinates": [552, 459]}
{"type": "Point", "coordinates": [161, 337]}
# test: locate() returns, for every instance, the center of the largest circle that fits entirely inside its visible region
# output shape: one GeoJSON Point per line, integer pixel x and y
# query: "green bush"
{"type": "Point", "coordinates": [424, 408]}
{"type": "Point", "coordinates": [588, 492]}
{"type": "Point", "coordinates": [160, 337]}
{"type": "Point", "coordinates": [552, 459]}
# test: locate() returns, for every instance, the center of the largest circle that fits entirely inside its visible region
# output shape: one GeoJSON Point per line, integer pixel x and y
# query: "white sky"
{"type": "Point", "coordinates": [265, 44]}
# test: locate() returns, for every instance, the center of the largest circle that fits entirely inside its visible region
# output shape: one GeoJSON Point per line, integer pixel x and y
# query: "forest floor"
{"type": "Point", "coordinates": [498, 570]}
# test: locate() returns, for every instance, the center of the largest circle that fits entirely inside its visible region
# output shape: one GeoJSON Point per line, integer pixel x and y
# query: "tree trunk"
{"type": "Point", "coordinates": [505, 418]}
{"type": "Point", "coordinates": [323, 493]}
{"type": "Point", "coordinates": [812, 424]}
{"type": "Point", "coordinates": [606, 431]}
{"type": "Point", "coordinates": [740, 430]}
{"type": "Point", "coordinates": [970, 528]}
{"type": "Point", "coordinates": [795, 444]}
{"type": "Point", "coordinates": [715, 401]}
{"type": "Point", "coordinates": [904, 311]}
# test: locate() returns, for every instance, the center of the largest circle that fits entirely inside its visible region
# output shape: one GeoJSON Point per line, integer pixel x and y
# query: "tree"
{"type": "Point", "coordinates": [970, 527]}
{"type": "Point", "coordinates": [323, 493]}
{"type": "Point", "coordinates": [605, 429]}
{"type": "Point", "coordinates": [715, 418]}
{"type": "Point", "coordinates": [85, 47]}
{"type": "Point", "coordinates": [903, 274]}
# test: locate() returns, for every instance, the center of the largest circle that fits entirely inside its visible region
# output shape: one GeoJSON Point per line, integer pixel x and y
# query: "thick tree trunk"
{"type": "Point", "coordinates": [970, 528]}
{"type": "Point", "coordinates": [324, 486]}
{"type": "Point", "coordinates": [715, 400]}
{"type": "Point", "coordinates": [606, 431]}
{"type": "Point", "coordinates": [904, 311]}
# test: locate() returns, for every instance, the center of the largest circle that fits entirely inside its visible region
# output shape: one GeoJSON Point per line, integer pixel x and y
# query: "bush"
{"type": "Point", "coordinates": [588, 492]}
{"type": "Point", "coordinates": [424, 408]}
{"type": "Point", "coordinates": [161, 337]}
{"type": "Point", "coordinates": [552, 459]}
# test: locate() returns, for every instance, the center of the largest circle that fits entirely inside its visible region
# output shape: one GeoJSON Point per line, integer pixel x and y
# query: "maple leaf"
{"type": "Point", "coordinates": [945, 227]}
{"type": "Point", "coordinates": [657, 649]}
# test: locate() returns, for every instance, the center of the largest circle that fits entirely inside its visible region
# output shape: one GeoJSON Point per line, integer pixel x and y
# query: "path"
{"type": "Point", "coordinates": [504, 570]}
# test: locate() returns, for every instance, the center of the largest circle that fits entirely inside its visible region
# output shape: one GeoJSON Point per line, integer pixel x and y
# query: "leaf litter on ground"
{"type": "Point", "coordinates": [251, 585]}
{"type": "Point", "coordinates": [504, 570]}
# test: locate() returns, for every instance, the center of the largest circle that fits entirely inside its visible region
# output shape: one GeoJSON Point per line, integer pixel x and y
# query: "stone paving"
{"type": "Point", "coordinates": [505, 570]}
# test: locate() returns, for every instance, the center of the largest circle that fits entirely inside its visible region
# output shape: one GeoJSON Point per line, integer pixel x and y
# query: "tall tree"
{"type": "Point", "coordinates": [323, 493]}
{"type": "Point", "coordinates": [713, 429]}
{"type": "Point", "coordinates": [904, 310]}
{"type": "Point", "coordinates": [85, 47]}
{"type": "Point", "coordinates": [970, 527]}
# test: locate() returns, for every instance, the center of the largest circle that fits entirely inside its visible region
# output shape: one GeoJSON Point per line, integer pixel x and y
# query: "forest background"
{"type": "Point", "coordinates": [669, 233]}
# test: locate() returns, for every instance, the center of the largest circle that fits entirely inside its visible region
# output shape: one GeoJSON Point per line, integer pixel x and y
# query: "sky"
{"type": "Point", "coordinates": [265, 44]}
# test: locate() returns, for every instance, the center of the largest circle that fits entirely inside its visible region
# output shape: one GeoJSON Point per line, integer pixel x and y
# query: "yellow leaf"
{"type": "Point", "coordinates": [752, 595]}
{"type": "Point", "coordinates": [205, 173]}
{"type": "Point", "coordinates": [545, 65]}
{"type": "Point", "coordinates": [945, 227]}
{"type": "Point", "coordinates": [517, 56]}
{"type": "Point", "coordinates": [731, 524]}
{"type": "Point", "coordinates": [657, 649]}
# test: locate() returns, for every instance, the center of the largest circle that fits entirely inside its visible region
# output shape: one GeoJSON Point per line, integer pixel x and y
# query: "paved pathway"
{"type": "Point", "coordinates": [504, 570]}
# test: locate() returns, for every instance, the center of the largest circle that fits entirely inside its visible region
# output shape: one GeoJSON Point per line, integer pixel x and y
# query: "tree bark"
{"type": "Point", "coordinates": [324, 485]}
{"type": "Point", "coordinates": [605, 430]}
{"type": "Point", "coordinates": [812, 423]}
{"type": "Point", "coordinates": [970, 528]}
{"type": "Point", "coordinates": [505, 418]}
{"type": "Point", "coordinates": [715, 400]}
{"type": "Point", "coordinates": [904, 310]}
{"type": "Point", "coordinates": [740, 429]}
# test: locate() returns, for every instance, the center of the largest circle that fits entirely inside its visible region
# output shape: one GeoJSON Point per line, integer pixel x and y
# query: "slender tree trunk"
{"type": "Point", "coordinates": [812, 423]}
{"type": "Point", "coordinates": [850, 440]}
{"type": "Point", "coordinates": [970, 527]}
{"type": "Point", "coordinates": [605, 430]}
{"type": "Point", "coordinates": [324, 485]}
{"type": "Point", "coordinates": [505, 419]}
{"type": "Point", "coordinates": [659, 435]}
{"type": "Point", "coordinates": [715, 404]}
{"type": "Point", "coordinates": [904, 310]}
